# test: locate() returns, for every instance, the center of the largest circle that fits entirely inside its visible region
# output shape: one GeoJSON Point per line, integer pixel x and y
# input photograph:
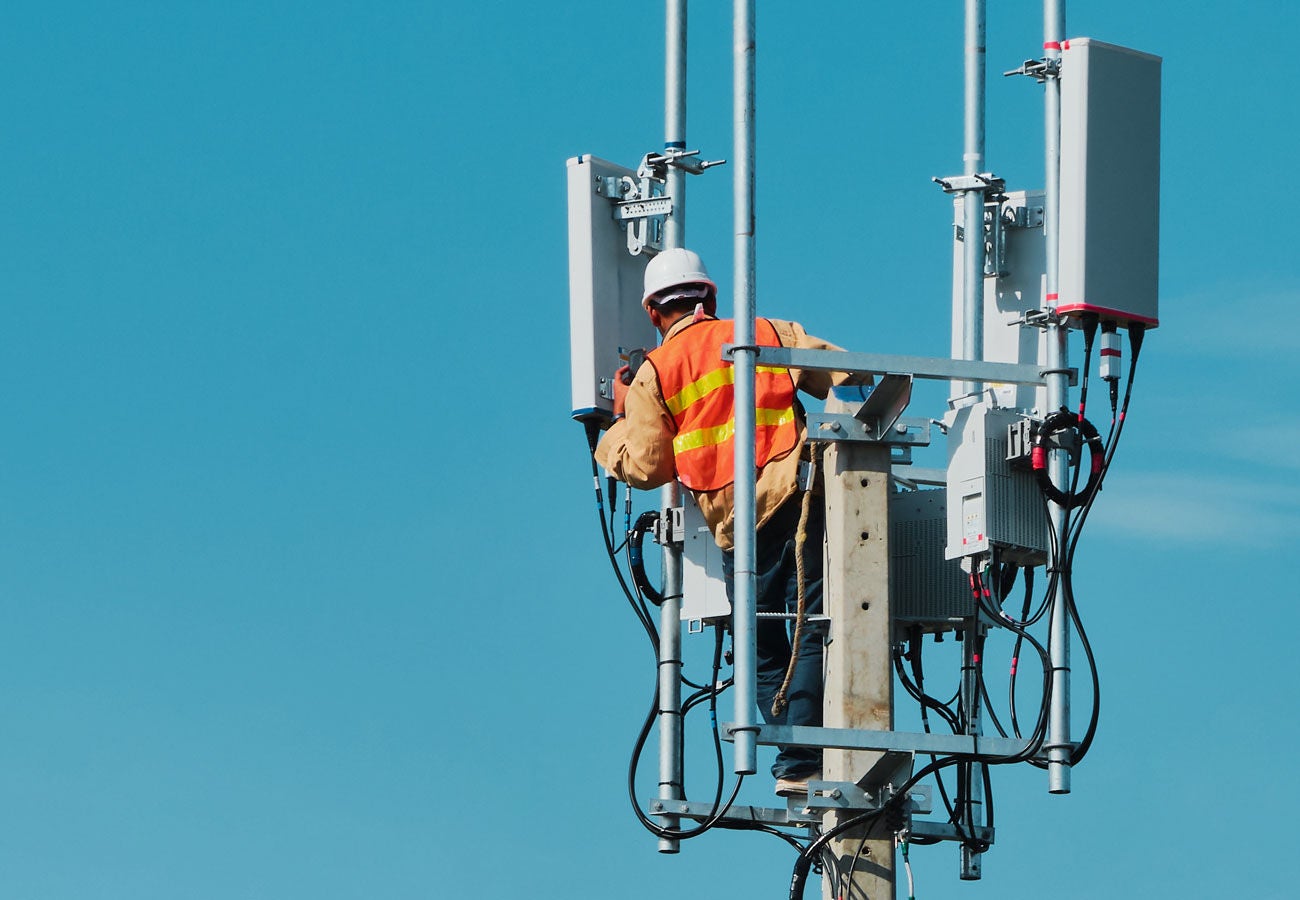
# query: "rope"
{"type": "Point", "coordinates": [781, 701]}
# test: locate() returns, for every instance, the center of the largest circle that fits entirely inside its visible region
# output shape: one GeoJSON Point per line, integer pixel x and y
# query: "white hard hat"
{"type": "Point", "coordinates": [674, 267]}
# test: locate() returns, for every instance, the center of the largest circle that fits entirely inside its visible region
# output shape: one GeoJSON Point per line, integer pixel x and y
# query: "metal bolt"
{"type": "Point", "coordinates": [658, 807]}
{"type": "Point", "coordinates": [683, 808]}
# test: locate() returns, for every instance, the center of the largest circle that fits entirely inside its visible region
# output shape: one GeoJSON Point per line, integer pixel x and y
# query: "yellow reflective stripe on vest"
{"type": "Point", "coordinates": [703, 437]}
{"type": "Point", "coordinates": [697, 389]}
{"type": "Point", "coordinates": [708, 437]}
{"type": "Point", "coordinates": [775, 417]}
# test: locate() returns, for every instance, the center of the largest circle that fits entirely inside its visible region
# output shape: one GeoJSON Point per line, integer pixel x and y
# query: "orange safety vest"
{"type": "Point", "coordinates": [698, 387]}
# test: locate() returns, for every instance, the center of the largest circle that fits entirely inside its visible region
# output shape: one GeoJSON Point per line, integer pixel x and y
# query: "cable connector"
{"type": "Point", "coordinates": [900, 841]}
{"type": "Point", "coordinates": [1111, 355]}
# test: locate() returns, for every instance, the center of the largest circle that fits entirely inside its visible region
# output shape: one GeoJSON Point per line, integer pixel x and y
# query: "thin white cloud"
{"type": "Point", "coordinates": [1194, 508]}
{"type": "Point", "coordinates": [1259, 324]}
{"type": "Point", "coordinates": [1265, 443]}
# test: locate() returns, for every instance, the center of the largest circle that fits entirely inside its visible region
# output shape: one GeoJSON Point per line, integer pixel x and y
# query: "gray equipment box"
{"type": "Point", "coordinates": [704, 589]}
{"type": "Point", "coordinates": [991, 503]}
{"type": "Point", "coordinates": [1110, 182]}
{"type": "Point", "coordinates": [606, 320]}
{"type": "Point", "coordinates": [924, 588]}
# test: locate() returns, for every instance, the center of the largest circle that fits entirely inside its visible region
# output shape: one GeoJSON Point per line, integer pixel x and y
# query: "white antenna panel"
{"type": "Point", "coordinates": [605, 282]}
{"type": "Point", "coordinates": [1110, 182]}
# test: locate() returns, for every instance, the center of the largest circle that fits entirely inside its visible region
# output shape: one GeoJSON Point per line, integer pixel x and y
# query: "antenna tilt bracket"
{"type": "Point", "coordinates": [1038, 69]}
{"type": "Point", "coordinates": [626, 210]}
{"type": "Point", "coordinates": [985, 182]}
{"type": "Point", "coordinates": [1045, 318]}
{"type": "Point", "coordinates": [657, 164]}
{"type": "Point", "coordinates": [640, 203]}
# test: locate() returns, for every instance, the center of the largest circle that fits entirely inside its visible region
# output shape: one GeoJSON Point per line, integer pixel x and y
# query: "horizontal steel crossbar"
{"type": "Point", "coordinates": [766, 815]}
{"type": "Point", "coordinates": [797, 816]}
{"type": "Point", "coordinates": [918, 366]}
{"type": "Point", "coordinates": [942, 831]}
{"type": "Point", "coordinates": [903, 741]}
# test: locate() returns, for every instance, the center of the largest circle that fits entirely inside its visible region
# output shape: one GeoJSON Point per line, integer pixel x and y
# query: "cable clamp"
{"type": "Point", "coordinates": [670, 529]}
{"type": "Point", "coordinates": [657, 164]}
{"type": "Point", "coordinates": [729, 350]}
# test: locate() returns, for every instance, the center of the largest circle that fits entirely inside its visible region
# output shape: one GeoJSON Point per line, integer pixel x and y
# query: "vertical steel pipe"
{"type": "Point", "coordinates": [675, 118]}
{"type": "Point", "coordinates": [973, 348]}
{"type": "Point", "coordinates": [670, 614]}
{"type": "Point", "coordinates": [1058, 735]}
{"type": "Point", "coordinates": [971, 864]}
{"type": "Point", "coordinates": [745, 588]}
{"type": "Point", "coordinates": [972, 317]}
{"type": "Point", "coordinates": [670, 682]}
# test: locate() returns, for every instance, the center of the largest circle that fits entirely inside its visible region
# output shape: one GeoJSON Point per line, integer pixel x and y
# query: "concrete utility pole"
{"type": "Point", "coordinates": [859, 675]}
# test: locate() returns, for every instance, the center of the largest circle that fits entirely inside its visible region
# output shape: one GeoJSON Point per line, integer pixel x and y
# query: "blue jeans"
{"type": "Point", "coordinates": [778, 591]}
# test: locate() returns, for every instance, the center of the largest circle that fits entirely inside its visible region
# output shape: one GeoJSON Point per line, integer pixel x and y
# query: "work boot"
{"type": "Point", "coordinates": [796, 785]}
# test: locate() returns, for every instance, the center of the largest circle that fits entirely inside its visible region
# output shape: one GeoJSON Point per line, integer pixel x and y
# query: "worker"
{"type": "Point", "coordinates": [676, 419]}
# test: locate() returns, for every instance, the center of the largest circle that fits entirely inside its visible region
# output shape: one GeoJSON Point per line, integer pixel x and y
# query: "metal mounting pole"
{"type": "Point", "coordinates": [973, 801]}
{"type": "Point", "coordinates": [972, 346]}
{"type": "Point", "coordinates": [670, 681]}
{"type": "Point", "coordinates": [1058, 734]}
{"type": "Point", "coordinates": [675, 119]}
{"type": "Point", "coordinates": [670, 614]}
{"type": "Point", "coordinates": [745, 587]}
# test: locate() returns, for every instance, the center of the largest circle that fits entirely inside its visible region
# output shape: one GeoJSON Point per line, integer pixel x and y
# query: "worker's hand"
{"type": "Point", "coordinates": [622, 381]}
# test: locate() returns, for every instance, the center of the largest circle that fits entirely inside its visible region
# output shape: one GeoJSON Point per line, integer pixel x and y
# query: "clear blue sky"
{"type": "Point", "coordinates": [302, 593]}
